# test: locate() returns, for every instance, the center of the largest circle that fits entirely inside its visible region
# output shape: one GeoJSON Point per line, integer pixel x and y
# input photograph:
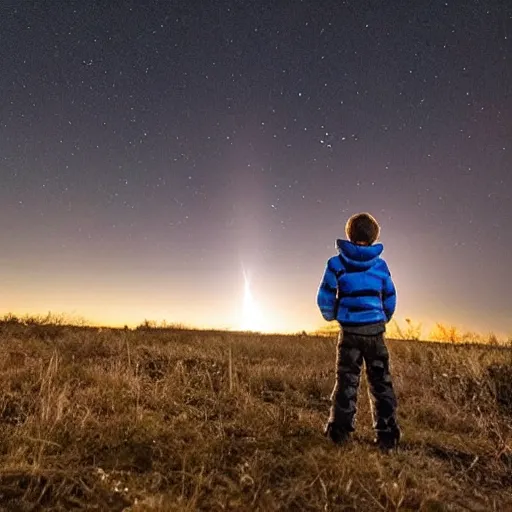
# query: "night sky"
{"type": "Point", "coordinates": [151, 152]}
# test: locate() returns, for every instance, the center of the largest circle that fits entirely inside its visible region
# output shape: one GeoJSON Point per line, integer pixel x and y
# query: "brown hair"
{"type": "Point", "coordinates": [362, 228]}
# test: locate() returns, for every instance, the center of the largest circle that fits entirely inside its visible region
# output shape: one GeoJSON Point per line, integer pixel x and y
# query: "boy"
{"type": "Point", "coordinates": [358, 292]}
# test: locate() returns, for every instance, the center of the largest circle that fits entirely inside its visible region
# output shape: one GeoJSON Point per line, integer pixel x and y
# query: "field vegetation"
{"type": "Point", "coordinates": [164, 419]}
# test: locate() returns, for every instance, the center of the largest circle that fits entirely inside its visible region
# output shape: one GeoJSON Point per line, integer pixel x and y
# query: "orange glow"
{"type": "Point", "coordinates": [117, 297]}
{"type": "Point", "coordinates": [254, 317]}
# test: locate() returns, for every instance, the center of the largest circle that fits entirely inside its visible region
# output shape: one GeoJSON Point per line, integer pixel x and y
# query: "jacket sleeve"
{"type": "Point", "coordinates": [389, 296]}
{"type": "Point", "coordinates": [326, 298]}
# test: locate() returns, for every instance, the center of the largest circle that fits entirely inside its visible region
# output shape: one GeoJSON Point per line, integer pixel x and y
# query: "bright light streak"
{"type": "Point", "coordinates": [252, 319]}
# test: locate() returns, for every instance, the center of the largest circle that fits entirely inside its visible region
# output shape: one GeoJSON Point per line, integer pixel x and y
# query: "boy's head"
{"type": "Point", "coordinates": [362, 229]}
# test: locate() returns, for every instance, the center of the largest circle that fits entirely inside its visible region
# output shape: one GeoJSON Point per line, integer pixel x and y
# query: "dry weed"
{"type": "Point", "coordinates": [166, 419]}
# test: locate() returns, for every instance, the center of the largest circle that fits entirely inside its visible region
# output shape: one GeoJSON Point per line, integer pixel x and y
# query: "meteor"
{"type": "Point", "coordinates": [252, 318]}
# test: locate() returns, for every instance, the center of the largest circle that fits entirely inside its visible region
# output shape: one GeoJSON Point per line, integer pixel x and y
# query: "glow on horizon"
{"type": "Point", "coordinates": [253, 318]}
{"type": "Point", "coordinates": [248, 304]}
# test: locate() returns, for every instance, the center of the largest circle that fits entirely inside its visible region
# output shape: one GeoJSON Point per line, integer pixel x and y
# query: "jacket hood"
{"type": "Point", "coordinates": [360, 257]}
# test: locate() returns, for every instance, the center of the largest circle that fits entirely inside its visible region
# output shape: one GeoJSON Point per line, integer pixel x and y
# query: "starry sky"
{"type": "Point", "coordinates": [151, 152]}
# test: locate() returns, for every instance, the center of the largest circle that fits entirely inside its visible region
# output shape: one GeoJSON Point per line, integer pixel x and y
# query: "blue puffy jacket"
{"type": "Point", "coordinates": [357, 288]}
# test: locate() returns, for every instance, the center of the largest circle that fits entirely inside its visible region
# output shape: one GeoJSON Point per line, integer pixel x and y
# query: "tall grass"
{"type": "Point", "coordinates": [163, 419]}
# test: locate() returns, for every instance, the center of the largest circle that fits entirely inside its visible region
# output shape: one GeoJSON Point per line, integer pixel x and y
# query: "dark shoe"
{"type": "Point", "coordinates": [388, 441]}
{"type": "Point", "coordinates": [336, 435]}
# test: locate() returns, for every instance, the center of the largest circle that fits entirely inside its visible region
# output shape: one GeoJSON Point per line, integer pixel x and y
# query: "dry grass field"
{"type": "Point", "coordinates": [170, 420]}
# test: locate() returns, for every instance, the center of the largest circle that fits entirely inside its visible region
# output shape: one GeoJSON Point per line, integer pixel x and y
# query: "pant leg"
{"type": "Point", "coordinates": [376, 357]}
{"type": "Point", "coordinates": [348, 373]}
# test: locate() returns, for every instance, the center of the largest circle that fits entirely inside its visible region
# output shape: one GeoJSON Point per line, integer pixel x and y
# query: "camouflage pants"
{"type": "Point", "coordinates": [352, 350]}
